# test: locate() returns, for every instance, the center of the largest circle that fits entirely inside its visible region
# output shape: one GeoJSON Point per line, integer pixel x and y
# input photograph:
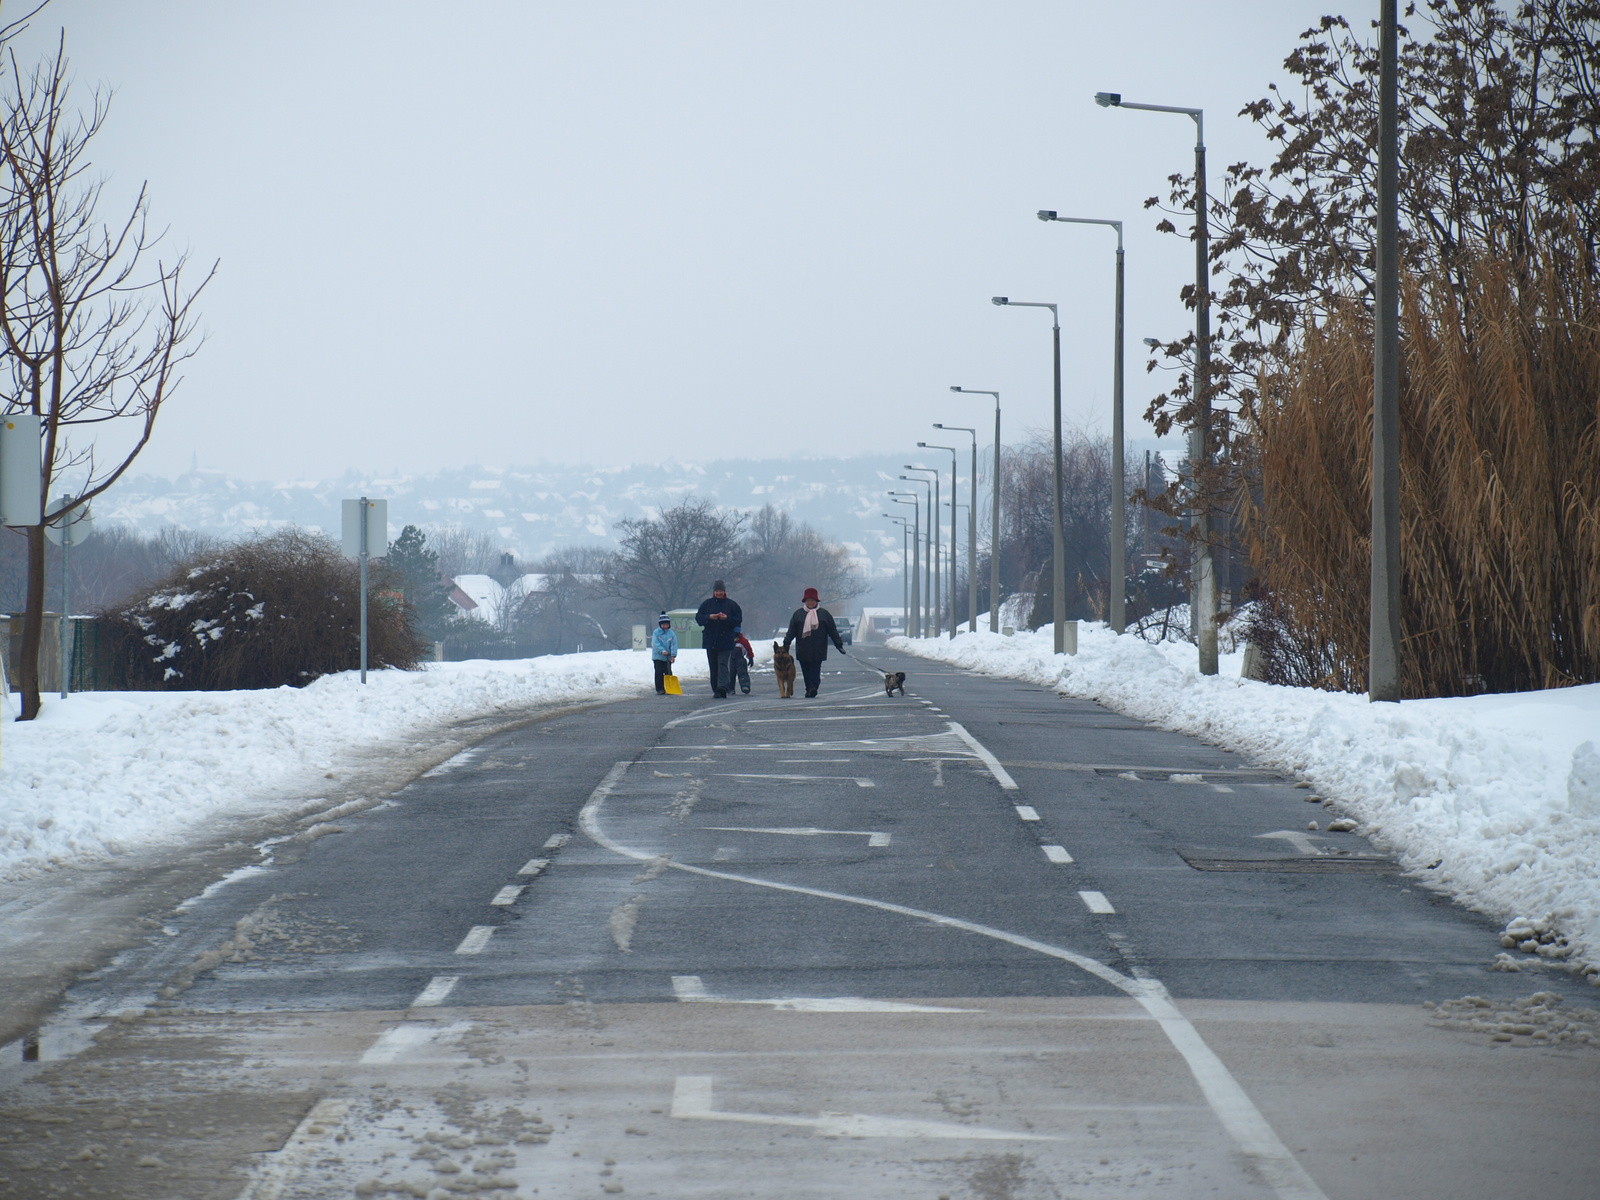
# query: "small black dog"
{"type": "Point", "coordinates": [892, 680]}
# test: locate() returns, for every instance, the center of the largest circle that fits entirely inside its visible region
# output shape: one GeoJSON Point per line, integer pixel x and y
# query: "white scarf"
{"type": "Point", "coordinates": [811, 622]}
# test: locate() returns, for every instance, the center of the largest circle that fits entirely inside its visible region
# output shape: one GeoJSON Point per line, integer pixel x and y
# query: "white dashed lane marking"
{"type": "Point", "coordinates": [1027, 812]}
{"type": "Point", "coordinates": [533, 866]}
{"type": "Point", "coordinates": [557, 840]}
{"type": "Point", "coordinates": [1056, 854]}
{"type": "Point", "coordinates": [507, 895]}
{"type": "Point", "coordinates": [436, 991]}
{"type": "Point", "coordinates": [1096, 902]}
{"type": "Point", "coordinates": [477, 938]}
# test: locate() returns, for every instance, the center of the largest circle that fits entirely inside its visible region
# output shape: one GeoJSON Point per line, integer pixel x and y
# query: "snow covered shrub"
{"type": "Point", "coordinates": [274, 610]}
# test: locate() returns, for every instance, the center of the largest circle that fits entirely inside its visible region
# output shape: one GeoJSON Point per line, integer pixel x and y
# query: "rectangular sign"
{"type": "Point", "coordinates": [377, 528]}
{"type": "Point", "coordinates": [20, 470]}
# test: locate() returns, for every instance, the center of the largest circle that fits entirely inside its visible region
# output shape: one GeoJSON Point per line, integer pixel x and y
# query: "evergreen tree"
{"type": "Point", "coordinates": [424, 591]}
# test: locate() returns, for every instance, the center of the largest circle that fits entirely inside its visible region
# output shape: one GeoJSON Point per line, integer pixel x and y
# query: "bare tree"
{"type": "Point", "coordinates": [462, 552]}
{"type": "Point", "coordinates": [94, 333]}
{"type": "Point", "coordinates": [784, 557]}
{"type": "Point", "coordinates": [670, 561]}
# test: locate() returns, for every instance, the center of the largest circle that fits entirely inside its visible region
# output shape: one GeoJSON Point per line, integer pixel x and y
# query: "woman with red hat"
{"type": "Point", "coordinates": [811, 628]}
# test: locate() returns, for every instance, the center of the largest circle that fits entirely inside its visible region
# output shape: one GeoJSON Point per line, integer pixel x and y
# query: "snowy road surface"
{"type": "Point", "coordinates": [982, 941]}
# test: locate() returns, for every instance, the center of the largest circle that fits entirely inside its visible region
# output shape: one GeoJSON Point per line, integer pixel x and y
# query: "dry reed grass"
{"type": "Point", "coordinates": [1499, 486]}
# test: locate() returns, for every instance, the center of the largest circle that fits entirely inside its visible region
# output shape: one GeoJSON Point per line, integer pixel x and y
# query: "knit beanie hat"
{"type": "Point", "coordinates": [663, 619]}
{"type": "Point", "coordinates": [719, 586]}
{"type": "Point", "coordinates": [811, 594]}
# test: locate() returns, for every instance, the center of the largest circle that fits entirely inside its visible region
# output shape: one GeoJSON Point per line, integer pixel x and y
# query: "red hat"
{"type": "Point", "coordinates": [811, 594]}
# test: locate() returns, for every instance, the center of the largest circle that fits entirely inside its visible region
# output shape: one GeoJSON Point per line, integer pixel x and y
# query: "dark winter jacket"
{"type": "Point", "coordinates": [815, 647]}
{"type": "Point", "coordinates": [718, 634]}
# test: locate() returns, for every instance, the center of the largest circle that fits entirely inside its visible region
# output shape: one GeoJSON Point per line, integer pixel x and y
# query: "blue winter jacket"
{"type": "Point", "coordinates": [663, 644]}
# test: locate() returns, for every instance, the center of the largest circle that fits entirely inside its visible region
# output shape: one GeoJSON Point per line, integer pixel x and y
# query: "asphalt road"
{"type": "Point", "coordinates": [979, 940]}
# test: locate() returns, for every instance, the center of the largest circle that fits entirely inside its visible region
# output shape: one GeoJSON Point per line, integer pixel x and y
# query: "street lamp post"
{"type": "Point", "coordinates": [1060, 548]}
{"type": "Point", "coordinates": [935, 608]}
{"type": "Point", "coordinates": [1203, 588]}
{"type": "Point", "coordinates": [1119, 485]}
{"type": "Point", "coordinates": [914, 616]}
{"type": "Point", "coordinates": [905, 571]}
{"type": "Point", "coordinates": [972, 528]}
{"type": "Point", "coordinates": [1383, 629]}
{"type": "Point", "coordinates": [994, 516]}
{"type": "Point", "coordinates": [953, 541]}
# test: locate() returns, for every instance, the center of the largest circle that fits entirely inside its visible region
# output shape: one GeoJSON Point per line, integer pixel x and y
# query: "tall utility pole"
{"type": "Point", "coordinates": [1203, 579]}
{"type": "Point", "coordinates": [994, 513]}
{"type": "Point", "coordinates": [1383, 664]}
{"type": "Point", "coordinates": [1060, 534]}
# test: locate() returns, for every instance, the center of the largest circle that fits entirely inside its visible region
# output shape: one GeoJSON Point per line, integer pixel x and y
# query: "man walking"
{"type": "Point", "coordinates": [719, 617]}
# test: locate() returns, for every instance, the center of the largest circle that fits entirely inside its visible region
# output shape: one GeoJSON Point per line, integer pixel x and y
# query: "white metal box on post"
{"type": "Point", "coordinates": [21, 470]}
{"type": "Point", "coordinates": [366, 535]}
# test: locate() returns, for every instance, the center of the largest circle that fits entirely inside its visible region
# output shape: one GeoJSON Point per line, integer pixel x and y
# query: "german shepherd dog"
{"type": "Point", "coordinates": [783, 668]}
{"type": "Point", "coordinates": [893, 680]}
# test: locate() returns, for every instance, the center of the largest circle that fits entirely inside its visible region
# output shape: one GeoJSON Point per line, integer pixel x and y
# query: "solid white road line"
{"type": "Point", "coordinates": [477, 938]}
{"type": "Point", "coordinates": [533, 866]}
{"type": "Point", "coordinates": [507, 895]}
{"type": "Point", "coordinates": [557, 840]}
{"type": "Point", "coordinates": [1096, 902]}
{"type": "Point", "coordinates": [1000, 774]}
{"type": "Point", "coordinates": [1056, 854]}
{"type": "Point", "coordinates": [434, 994]}
{"type": "Point", "coordinates": [1027, 812]}
{"type": "Point", "coordinates": [1250, 1130]}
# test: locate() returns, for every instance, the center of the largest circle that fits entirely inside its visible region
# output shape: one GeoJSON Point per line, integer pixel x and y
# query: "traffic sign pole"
{"type": "Point", "coordinates": [364, 508]}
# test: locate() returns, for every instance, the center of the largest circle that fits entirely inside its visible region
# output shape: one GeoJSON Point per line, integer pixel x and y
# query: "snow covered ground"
{"type": "Point", "coordinates": [102, 774]}
{"type": "Point", "coordinates": [1501, 791]}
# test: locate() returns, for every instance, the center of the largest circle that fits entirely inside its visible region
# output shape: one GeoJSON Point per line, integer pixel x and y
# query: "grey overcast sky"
{"type": "Point", "coordinates": [497, 233]}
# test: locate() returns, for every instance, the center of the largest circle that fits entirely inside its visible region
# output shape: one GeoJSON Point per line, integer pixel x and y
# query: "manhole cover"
{"type": "Point", "coordinates": [1230, 860]}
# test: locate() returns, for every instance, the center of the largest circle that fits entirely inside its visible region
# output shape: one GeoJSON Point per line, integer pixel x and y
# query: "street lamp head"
{"type": "Point", "coordinates": [1047, 214]}
{"type": "Point", "coordinates": [1108, 99]}
{"type": "Point", "coordinates": [1152, 342]}
{"type": "Point", "coordinates": [1000, 300]}
{"type": "Point", "coordinates": [954, 388]}
{"type": "Point", "coordinates": [922, 445]}
{"type": "Point", "coordinates": [936, 425]}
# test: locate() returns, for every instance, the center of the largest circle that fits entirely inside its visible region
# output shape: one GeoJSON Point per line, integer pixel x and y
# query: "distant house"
{"type": "Point", "coordinates": [484, 598]}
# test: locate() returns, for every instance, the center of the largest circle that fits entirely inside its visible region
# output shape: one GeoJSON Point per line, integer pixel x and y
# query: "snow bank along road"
{"type": "Point", "coordinates": [979, 941]}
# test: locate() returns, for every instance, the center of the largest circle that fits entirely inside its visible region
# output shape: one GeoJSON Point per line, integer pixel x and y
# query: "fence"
{"type": "Point", "coordinates": [93, 668]}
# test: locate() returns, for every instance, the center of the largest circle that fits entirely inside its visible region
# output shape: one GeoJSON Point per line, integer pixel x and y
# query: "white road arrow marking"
{"type": "Point", "coordinates": [873, 838]}
{"type": "Point", "coordinates": [1295, 838]}
{"type": "Point", "coordinates": [691, 1100]}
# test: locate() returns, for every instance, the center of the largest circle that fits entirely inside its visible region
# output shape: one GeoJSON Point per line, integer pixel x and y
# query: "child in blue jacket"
{"type": "Point", "coordinates": [663, 649]}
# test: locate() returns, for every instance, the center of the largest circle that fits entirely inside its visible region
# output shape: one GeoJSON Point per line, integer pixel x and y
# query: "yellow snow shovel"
{"type": "Point", "coordinates": [670, 682]}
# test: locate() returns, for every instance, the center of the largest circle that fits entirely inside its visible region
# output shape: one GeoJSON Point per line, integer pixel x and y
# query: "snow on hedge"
{"type": "Point", "coordinates": [1502, 791]}
{"type": "Point", "coordinates": [101, 774]}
